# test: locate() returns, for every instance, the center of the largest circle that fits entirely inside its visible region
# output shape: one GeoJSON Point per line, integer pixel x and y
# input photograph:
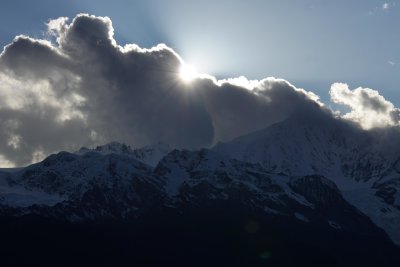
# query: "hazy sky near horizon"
{"type": "Point", "coordinates": [311, 43]}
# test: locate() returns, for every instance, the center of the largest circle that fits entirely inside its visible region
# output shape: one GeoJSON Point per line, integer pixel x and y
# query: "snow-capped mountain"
{"type": "Point", "coordinates": [329, 188]}
{"type": "Point", "coordinates": [326, 146]}
{"type": "Point", "coordinates": [363, 164]}
{"type": "Point", "coordinates": [93, 185]}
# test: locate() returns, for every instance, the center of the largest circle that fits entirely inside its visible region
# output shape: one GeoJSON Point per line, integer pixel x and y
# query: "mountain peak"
{"type": "Point", "coordinates": [150, 154]}
{"type": "Point", "coordinates": [110, 148]}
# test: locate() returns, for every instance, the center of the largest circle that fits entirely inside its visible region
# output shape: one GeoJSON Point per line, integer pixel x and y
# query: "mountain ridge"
{"type": "Point", "coordinates": [115, 183]}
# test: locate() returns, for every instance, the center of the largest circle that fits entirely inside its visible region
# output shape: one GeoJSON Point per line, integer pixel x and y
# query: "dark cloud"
{"type": "Point", "coordinates": [236, 110]}
{"type": "Point", "coordinates": [85, 89]}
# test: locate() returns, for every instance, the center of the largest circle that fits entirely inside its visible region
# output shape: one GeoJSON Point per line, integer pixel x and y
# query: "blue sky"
{"type": "Point", "coordinates": [311, 43]}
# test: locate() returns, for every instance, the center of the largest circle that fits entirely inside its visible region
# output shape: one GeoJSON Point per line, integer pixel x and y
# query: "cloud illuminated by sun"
{"type": "Point", "coordinates": [188, 72]}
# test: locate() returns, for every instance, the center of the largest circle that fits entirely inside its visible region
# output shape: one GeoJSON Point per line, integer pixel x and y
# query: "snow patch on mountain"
{"type": "Point", "coordinates": [152, 154]}
{"type": "Point", "coordinates": [382, 214]}
{"type": "Point", "coordinates": [334, 225]}
{"type": "Point", "coordinates": [301, 217]}
{"type": "Point", "coordinates": [18, 196]}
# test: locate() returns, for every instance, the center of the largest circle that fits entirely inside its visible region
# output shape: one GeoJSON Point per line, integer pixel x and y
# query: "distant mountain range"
{"type": "Point", "coordinates": [302, 192]}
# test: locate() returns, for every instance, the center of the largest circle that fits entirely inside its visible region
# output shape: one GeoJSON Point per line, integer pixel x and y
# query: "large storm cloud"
{"type": "Point", "coordinates": [84, 89]}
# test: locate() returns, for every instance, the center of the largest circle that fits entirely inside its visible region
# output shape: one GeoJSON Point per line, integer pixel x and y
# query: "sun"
{"type": "Point", "coordinates": [187, 72]}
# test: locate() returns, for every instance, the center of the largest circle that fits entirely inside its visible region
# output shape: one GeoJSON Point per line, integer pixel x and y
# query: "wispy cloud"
{"type": "Point", "coordinates": [386, 6]}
